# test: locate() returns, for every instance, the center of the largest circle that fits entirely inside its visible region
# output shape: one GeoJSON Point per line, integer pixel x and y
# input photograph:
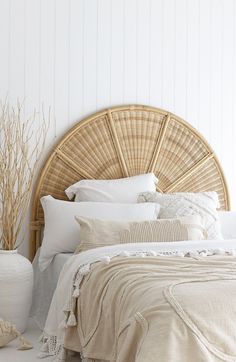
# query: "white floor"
{"type": "Point", "coordinates": [10, 353]}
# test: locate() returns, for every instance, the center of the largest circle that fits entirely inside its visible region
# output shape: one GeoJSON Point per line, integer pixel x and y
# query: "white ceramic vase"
{"type": "Point", "coordinates": [16, 287]}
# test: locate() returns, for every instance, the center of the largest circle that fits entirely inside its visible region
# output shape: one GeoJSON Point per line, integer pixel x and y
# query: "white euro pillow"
{"type": "Point", "coordinates": [118, 190]}
{"type": "Point", "coordinates": [61, 234]}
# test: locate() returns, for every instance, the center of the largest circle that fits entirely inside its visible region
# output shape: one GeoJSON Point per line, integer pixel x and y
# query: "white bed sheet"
{"type": "Point", "coordinates": [44, 285]}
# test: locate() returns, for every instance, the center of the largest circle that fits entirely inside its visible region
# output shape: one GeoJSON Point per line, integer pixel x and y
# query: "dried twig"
{"type": "Point", "coordinates": [21, 145]}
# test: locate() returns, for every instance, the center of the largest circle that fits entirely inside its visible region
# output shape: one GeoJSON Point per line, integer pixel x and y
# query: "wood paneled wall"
{"type": "Point", "coordinates": [79, 56]}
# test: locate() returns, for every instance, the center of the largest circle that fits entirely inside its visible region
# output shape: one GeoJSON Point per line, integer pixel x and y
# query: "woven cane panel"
{"type": "Point", "coordinates": [59, 176]}
{"type": "Point", "coordinates": [206, 178]}
{"type": "Point", "coordinates": [93, 150]}
{"type": "Point", "coordinates": [138, 133]}
{"type": "Point", "coordinates": [181, 150]}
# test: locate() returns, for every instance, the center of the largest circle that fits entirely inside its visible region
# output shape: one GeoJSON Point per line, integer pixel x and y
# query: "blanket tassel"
{"type": "Point", "coordinates": [24, 344]}
{"type": "Point", "coordinates": [71, 320]}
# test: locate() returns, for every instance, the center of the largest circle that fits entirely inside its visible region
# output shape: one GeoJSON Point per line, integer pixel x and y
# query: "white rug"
{"type": "Point", "coordinates": [11, 354]}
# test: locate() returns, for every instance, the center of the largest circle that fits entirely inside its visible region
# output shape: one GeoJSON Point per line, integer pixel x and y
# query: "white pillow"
{"type": "Point", "coordinates": [180, 204]}
{"type": "Point", "coordinates": [61, 233]}
{"type": "Point", "coordinates": [119, 190]}
{"type": "Point", "coordinates": [228, 224]}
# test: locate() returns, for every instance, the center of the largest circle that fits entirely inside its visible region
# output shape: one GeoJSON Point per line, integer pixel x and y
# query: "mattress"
{"type": "Point", "coordinates": [44, 285]}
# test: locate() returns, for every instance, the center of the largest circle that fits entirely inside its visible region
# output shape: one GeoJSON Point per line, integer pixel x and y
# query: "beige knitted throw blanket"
{"type": "Point", "coordinates": [158, 309]}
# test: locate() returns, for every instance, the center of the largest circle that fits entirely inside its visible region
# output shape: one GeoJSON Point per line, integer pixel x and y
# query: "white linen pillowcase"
{"type": "Point", "coordinates": [61, 234]}
{"type": "Point", "coordinates": [118, 190]}
{"type": "Point", "coordinates": [99, 233]}
{"type": "Point", "coordinates": [179, 204]}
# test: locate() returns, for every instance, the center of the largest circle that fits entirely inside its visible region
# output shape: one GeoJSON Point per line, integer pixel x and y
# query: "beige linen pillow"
{"type": "Point", "coordinates": [96, 233]}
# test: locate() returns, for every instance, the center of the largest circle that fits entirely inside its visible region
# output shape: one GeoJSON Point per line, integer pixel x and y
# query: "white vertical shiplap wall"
{"type": "Point", "coordinates": [79, 56]}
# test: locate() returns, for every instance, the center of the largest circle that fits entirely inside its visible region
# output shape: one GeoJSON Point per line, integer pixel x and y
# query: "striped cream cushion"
{"type": "Point", "coordinates": [96, 233]}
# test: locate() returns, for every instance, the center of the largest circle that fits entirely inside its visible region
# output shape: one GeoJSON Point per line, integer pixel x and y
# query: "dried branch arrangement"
{"type": "Point", "coordinates": [21, 145]}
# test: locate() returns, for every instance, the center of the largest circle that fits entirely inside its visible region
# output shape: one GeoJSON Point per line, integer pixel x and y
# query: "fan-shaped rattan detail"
{"type": "Point", "coordinates": [126, 141]}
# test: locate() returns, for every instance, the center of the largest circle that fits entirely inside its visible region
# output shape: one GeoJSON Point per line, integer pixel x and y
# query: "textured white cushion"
{"type": "Point", "coordinates": [98, 233]}
{"type": "Point", "coordinates": [179, 204]}
{"type": "Point", "coordinates": [61, 232]}
{"type": "Point", "coordinates": [228, 224]}
{"type": "Point", "coordinates": [119, 190]}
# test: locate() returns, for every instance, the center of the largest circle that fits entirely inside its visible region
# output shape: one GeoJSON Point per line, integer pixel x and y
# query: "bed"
{"type": "Point", "coordinates": [185, 315]}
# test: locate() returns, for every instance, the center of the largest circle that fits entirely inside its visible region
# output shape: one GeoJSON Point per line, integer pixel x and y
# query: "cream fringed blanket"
{"type": "Point", "coordinates": [146, 308]}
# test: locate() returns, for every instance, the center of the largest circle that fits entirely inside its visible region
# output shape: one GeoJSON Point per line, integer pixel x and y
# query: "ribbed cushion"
{"type": "Point", "coordinates": [98, 233]}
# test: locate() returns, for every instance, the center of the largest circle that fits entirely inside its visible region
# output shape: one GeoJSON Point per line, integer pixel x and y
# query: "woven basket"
{"type": "Point", "coordinates": [126, 141]}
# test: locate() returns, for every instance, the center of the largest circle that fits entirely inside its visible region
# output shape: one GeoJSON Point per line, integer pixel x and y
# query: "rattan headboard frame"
{"type": "Point", "coordinates": [127, 140]}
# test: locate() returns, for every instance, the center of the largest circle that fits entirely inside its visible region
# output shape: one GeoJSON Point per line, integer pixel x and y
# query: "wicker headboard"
{"type": "Point", "coordinates": [125, 141]}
